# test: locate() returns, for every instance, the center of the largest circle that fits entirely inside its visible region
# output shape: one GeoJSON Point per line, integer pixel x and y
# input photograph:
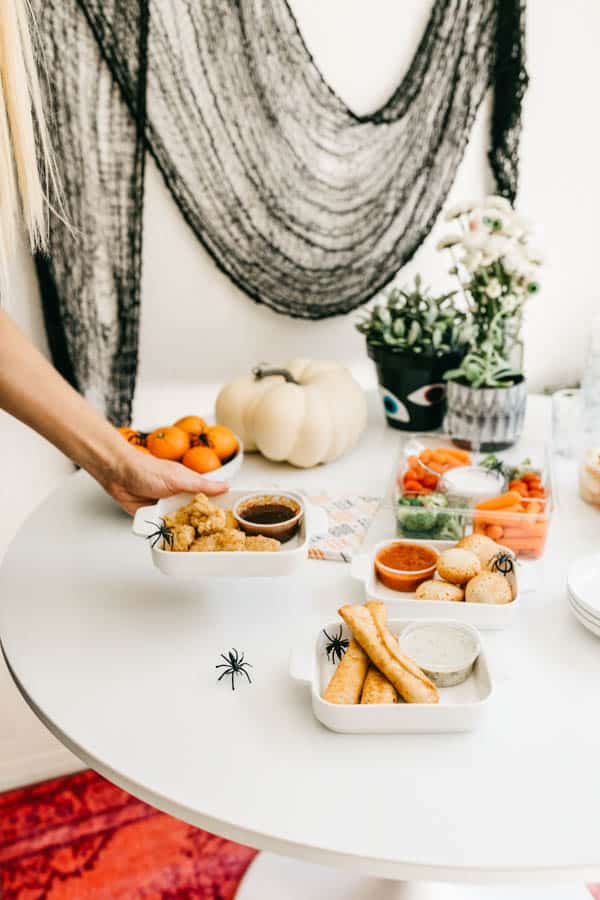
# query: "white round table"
{"type": "Point", "coordinates": [118, 661]}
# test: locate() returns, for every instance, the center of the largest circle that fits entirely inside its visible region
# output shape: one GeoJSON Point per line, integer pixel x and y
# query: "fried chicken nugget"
{"type": "Point", "coordinates": [179, 517]}
{"type": "Point", "coordinates": [230, 520]}
{"type": "Point", "coordinates": [183, 537]}
{"type": "Point", "coordinates": [261, 544]}
{"type": "Point", "coordinates": [207, 523]}
{"type": "Point", "coordinates": [205, 544]}
{"type": "Point", "coordinates": [230, 539]}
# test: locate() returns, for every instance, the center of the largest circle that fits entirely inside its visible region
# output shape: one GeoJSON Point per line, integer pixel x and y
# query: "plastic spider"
{"type": "Point", "coordinates": [503, 563]}
{"type": "Point", "coordinates": [163, 533]}
{"type": "Point", "coordinates": [337, 645]}
{"type": "Point", "coordinates": [234, 665]}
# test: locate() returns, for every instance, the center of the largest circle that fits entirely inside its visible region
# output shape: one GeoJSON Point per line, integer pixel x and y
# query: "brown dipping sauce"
{"type": "Point", "coordinates": [269, 516]}
{"type": "Point", "coordinates": [268, 513]}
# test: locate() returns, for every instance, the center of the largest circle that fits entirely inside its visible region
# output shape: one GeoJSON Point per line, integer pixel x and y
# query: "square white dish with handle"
{"type": "Point", "coordinates": [461, 708]}
{"type": "Point", "coordinates": [481, 615]}
{"type": "Point", "coordinates": [229, 564]}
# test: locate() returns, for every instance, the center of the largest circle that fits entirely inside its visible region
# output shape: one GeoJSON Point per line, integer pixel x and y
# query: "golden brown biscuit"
{"type": "Point", "coordinates": [381, 646]}
{"type": "Point", "coordinates": [457, 565]}
{"type": "Point", "coordinates": [205, 544]}
{"type": "Point", "coordinates": [347, 681]}
{"type": "Point", "coordinates": [482, 546]}
{"type": "Point", "coordinates": [377, 689]}
{"type": "Point", "coordinates": [439, 590]}
{"type": "Point", "coordinates": [505, 563]}
{"type": "Point", "coordinates": [182, 538]}
{"type": "Point", "coordinates": [230, 539]}
{"type": "Point", "coordinates": [260, 544]}
{"type": "Point", "coordinates": [488, 587]}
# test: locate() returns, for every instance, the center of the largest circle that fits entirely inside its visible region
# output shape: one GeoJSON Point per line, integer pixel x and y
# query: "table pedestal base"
{"type": "Point", "coordinates": [273, 877]}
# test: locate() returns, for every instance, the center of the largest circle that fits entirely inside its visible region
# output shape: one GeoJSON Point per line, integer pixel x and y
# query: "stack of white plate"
{"type": "Point", "coordinates": [583, 591]}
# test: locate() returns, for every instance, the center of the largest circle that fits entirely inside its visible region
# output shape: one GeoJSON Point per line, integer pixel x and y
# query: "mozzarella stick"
{"type": "Point", "coordinates": [382, 649]}
{"type": "Point", "coordinates": [347, 681]}
{"type": "Point", "coordinates": [377, 689]}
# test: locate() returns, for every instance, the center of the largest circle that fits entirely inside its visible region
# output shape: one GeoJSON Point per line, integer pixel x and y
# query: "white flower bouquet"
{"type": "Point", "coordinates": [495, 262]}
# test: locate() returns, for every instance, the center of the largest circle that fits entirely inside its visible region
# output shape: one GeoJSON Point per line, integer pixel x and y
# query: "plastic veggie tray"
{"type": "Point", "coordinates": [515, 513]}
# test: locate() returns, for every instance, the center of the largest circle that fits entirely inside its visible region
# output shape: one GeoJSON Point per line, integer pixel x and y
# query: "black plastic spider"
{"type": "Point", "coordinates": [503, 563]}
{"type": "Point", "coordinates": [163, 533]}
{"type": "Point", "coordinates": [234, 665]}
{"type": "Point", "coordinates": [337, 645]}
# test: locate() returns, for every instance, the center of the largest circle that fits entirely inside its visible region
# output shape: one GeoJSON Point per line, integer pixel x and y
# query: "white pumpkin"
{"type": "Point", "coordinates": [310, 412]}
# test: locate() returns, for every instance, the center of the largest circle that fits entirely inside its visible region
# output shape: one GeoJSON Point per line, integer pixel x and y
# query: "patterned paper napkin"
{"type": "Point", "coordinates": [349, 521]}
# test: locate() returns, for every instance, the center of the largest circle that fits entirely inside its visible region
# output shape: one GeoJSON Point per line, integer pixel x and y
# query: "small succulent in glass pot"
{"type": "Point", "coordinates": [414, 336]}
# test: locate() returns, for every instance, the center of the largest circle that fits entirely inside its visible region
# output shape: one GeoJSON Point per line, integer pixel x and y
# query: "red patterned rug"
{"type": "Point", "coordinates": [82, 838]}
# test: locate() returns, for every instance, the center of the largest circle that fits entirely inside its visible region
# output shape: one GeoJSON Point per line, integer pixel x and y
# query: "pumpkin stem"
{"type": "Point", "coordinates": [260, 372]}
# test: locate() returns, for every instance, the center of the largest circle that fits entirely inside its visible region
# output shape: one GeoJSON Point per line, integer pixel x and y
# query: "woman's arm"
{"type": "Point", "coordinates": [33, 391]}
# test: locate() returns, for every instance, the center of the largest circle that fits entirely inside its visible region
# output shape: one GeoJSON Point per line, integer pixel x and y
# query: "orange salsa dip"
{"type": "Point", "coordinates": [402, 566]}
{"type": "Point", "coordinates": [407, 557]}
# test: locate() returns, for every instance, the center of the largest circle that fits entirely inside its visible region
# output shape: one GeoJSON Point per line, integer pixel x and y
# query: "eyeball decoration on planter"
{"type": "Point", "coordinates": [305, 412]}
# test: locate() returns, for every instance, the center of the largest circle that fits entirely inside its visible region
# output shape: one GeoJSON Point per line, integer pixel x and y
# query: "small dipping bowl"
{"type": "Point", "coordinates": [276, 516]}
{"type": "Point", "coordinates": [445, 651]}
{"type": "Point", "coordinates": [403, 566]}
{"type": "Point", "coordinates": [467, 485]}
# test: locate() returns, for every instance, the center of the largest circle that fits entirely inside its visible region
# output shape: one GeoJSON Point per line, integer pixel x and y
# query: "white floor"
{"type": "Point", "coordinates": [278, 878]}
{"type": "Point", "coordinates": [30, 469]}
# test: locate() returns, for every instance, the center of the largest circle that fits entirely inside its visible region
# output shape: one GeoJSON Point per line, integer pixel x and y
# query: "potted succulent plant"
{"type": "Point", "coordinates": [413, 338]}
{"type": "Point", "coordinates": [495, 264]}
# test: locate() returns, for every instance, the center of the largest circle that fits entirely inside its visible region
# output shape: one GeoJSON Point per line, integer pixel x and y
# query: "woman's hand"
{"type": "Point", "coordinates": [35, 393]}
{"type": "Point", "coordinates": [139, 479]}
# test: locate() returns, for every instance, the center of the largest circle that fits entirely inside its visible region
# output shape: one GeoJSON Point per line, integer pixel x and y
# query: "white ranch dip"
{"type": "Point", "coordinates": [471, 483]}
{"type": "Point", "coordinates": [445, 652]}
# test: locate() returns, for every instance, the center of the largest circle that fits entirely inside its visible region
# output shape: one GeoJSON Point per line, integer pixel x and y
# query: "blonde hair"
{"type": "Point", "coordinates": [27, 169]}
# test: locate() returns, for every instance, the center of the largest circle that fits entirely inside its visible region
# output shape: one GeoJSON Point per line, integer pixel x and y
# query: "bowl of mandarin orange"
{"type": "Point", "coordinates": [212, 450]}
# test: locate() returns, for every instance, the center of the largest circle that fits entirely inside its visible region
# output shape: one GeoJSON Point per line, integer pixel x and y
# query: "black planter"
{"type": "Point", "coordinates": [412, 387]}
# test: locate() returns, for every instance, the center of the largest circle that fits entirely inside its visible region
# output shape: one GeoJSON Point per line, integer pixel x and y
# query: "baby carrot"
{"type": "Point", "coordinates": [436, 466]}
{"type": "Point", "coordinates": [461, 455]}
{"type": "Point", "coordinates": [520, 487]}
{"type": "Point", "coordinates": [495, 532]}
{"type": "Point", "coordinates": [503, 501]}
{"type": "Point", "coordinates": [414, 487]}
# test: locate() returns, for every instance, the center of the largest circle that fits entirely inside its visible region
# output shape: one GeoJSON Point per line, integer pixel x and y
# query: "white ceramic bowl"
{"type": "Point", "coordinates": [460, 708]}
{"type": "Point", "coordinates": [481, 615]}
{"type": "Point", "coordinates": [228, 471]}
{"type": "Point", "coordinates": [228, 564]}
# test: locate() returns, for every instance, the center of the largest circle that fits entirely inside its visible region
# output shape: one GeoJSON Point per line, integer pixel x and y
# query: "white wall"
{"type": "Point", "coordinates": [196, 326]}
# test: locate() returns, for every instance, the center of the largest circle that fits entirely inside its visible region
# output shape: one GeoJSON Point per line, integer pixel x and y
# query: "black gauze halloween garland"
{"type": "Point", "coordinates": [307, 207]}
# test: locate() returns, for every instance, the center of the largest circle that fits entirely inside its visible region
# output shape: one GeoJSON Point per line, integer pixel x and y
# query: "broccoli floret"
{"type": "Point", "coordinates": [417, 521]}
{"type": "Point", "coordinates": [435, 501]}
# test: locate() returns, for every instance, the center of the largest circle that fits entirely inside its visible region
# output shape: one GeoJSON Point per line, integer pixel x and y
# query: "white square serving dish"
{"type": "Point", "coordinates": [229, 564]}
{"type": "Point", "coordinates": [487, 616]}
{"type": "Point", "coordinates": [460, 708]}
